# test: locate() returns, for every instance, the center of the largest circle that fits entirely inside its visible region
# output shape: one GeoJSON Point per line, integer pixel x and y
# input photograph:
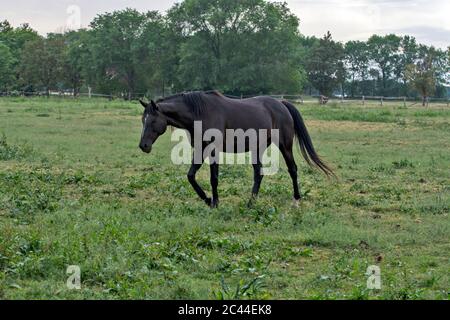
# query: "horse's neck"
{"type": "Point", "coordinates": [177, 115]}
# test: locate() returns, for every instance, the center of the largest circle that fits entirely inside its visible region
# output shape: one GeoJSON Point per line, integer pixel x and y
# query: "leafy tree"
{"type": "Point", "coordinates": [116, 45]}
{"type": "Point", "coordinates": [324, 65]}
{"type": "Point", "coordinates": [5, 27]}
{"type": "Point", "coordinates": [306, 45]}
{"type": "Point", "coordinates": [237, 45]}
{"type": "Point", "coordinates": [384, 52]}
{"type": "Point", "coordinates": [7, 62]}
{"type": "Point", "coordinates": [75, 61]}
{"type": "Point", "coordinates": [423, 74]}
{"type": "Point", "coordinates": [446, 69]}
{"type": "Point", "coordinates": [276, 47]}
{"type": "Point", "coordinates": [158, 55]}
{"type": "Point", "coordinates": [408, 55]}
{"type": "Point", "coordinates": [356, 63]}
{"type": "Point", "coordinates": [41, 62]}
{"type": "Point", "coordinates": [341, 77]}
{"type": "Point", "coordinates": [15, 39]}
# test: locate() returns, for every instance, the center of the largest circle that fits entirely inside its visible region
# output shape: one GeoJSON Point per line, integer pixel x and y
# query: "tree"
{"type": "Point", "coordinates": [5, 27]}
{"type": "Point", "coordinates": [341, 76]}
{"type": "Point", "coordinates": [75, 62]}
{"type": "Point", "coordinates": [7, 62]}
{"type": "Point", "coordinates": [356, 63]}
{"type": "Point", "coordinates": [324, 65]}
{"type": "Point", "coordinates": [41, 63]}
{"type": "Point", "coordinates": [306, 45]}
{"type": "Point", "coordinates": [276, 46]}
{"type": "Point", "coordinates": [408, 55]}
{"type": "Point", "coordinates": [15, 39]}
{"type": "Point", "coordinates": [422, 75]}
{"type": "Point", "coordinates": [238, 46]}
{"type": "Point", "coordinates": [446, 69]}
{"type": "Point", "coordinates": [384, 52]}
{"type": "Point", "coordinates": [116, 48]}
{"type": "Point", "coordinates": [158, 55]}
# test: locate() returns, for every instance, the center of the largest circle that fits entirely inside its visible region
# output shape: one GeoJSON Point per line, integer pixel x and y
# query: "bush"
{"type": "Point", "coordinates": [12, 152]}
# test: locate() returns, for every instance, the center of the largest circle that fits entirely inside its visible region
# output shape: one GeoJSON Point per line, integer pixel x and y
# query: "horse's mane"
{"type": "Point", "coordinates": [195, 99]}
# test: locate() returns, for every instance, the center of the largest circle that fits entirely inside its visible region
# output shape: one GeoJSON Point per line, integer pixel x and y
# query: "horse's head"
{"type": "Point", "coordinates": [154, 125]}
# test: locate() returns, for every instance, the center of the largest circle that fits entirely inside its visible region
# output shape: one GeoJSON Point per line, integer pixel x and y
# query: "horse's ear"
{"type": "Point", "coordinates": [154, 106]}
{"type": "Point", "coordinates": [143, 103]}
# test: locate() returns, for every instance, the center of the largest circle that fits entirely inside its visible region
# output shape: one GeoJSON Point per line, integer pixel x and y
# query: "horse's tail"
{"type": "Point", "coordinates": [306, 145]}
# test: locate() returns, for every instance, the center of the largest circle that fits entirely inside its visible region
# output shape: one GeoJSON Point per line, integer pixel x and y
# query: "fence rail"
{"type": "Point", "coordinates": [294, 98]}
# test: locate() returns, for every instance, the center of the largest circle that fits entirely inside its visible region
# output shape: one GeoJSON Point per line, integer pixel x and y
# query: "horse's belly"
{"type": "Point", "coordinates": [243, 144]}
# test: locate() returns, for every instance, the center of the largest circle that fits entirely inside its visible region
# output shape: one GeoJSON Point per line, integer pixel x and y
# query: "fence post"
{"type": "Point", "coordinates": [364, 100]}
{"type": "Point", "coordinates": [404, 102]}
{"type": "Point", "coordinates": [382, 101]}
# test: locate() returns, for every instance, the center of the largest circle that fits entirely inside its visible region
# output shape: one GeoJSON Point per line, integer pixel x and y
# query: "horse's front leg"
{"type": "Point", "coordinates": [191, 177]}
{"type": "Point", "coordinates": [214, 184]}
{"type": "Point", "coordinates": [257, 179]}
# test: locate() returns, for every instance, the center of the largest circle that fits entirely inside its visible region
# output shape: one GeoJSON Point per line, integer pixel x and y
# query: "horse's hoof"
{"type": "Point", "coordinates": [215, 204]}
{"type": "Point", "coordinates": [297, 203]}
{"type": "Point", "coordinates": [252, 201]}
{"type": "Point", "coordinates": [208, 202]}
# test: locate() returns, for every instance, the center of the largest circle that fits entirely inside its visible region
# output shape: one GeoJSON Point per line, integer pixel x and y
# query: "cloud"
{"type": "Point", "coordinates": [436, 36]}
{"type": "Point", "coordinates": [51, 15]}
{"type": "Point", "coordinates": [359, 19]}
{"type": "Point", "coordinates": [428, 20]}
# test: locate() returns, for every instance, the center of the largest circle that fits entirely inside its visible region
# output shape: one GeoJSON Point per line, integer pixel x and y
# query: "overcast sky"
{"type": "Point", "coordinates": [427, 20]}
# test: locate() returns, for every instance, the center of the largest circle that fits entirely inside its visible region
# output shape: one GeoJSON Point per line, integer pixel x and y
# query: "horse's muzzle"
{"type": "Point", "coordinates": [146, 148]}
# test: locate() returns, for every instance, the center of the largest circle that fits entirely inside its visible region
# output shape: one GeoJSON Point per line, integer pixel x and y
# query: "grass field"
{"type": "Point", "coordinates": [76, 190]}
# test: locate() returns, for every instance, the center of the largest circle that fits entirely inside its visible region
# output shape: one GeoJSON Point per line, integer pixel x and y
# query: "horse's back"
{"type": "Point", "coordinates": [280, 115]}
{"type": "Point", "coordinates": [262, 112]}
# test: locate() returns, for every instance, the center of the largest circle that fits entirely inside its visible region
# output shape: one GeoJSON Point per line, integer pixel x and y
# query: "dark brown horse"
{"type": "Point", "coordinates": [215, 111]}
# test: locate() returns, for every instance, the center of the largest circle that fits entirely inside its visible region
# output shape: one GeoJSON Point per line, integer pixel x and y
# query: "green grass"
{"type": "Point", "coordinates": [75, 190]}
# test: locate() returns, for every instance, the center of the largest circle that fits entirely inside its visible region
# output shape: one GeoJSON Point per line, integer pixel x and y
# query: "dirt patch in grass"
{"type": "Point", "coordinates": [350, 125]}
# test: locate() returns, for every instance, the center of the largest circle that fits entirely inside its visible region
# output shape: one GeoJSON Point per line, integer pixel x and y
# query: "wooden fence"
{"type": "Point", "coordinates": [294, 98]}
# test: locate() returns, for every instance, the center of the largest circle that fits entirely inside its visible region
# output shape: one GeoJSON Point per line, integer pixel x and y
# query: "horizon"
{"type": "Point", "coordinates": [431, 24]}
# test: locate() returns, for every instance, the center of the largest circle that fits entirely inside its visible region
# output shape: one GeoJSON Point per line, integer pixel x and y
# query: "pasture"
{"type": "Point", "coordinates": [76, 190]}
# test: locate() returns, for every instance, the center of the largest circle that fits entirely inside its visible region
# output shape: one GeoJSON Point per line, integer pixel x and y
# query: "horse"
{"type": "Point", "coordinates": [217, 111]}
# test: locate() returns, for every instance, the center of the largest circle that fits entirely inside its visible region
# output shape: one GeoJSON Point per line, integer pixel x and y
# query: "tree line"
{"type": "Point", "coordinates": [237, 46]}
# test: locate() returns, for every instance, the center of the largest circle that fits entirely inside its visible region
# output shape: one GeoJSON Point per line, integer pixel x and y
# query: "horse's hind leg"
{"type": "Point", "coordinates": [293, 170]}
{"type": "Point", "coordinates": [191, 177]}
{"type": "Point", "coordinates": [257, 177]}
{"type": "Point", "coordinates": [214, 184]}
